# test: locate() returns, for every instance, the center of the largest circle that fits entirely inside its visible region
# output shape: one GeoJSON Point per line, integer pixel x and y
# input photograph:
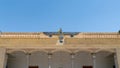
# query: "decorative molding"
{"type": "Point", "coordinates": [46, 35]}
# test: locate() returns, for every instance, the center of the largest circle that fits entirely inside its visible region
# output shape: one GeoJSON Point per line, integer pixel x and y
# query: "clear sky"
{"type": "Point", "coordinates": [50, 15]}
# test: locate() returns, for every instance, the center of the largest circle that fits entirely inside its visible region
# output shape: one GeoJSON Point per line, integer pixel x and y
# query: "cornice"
{"type": "Point", "coordinates": [43, 35]}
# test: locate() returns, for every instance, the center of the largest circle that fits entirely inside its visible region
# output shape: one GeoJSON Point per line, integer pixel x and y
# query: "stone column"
{"type": "Point", "coordinates": [118, 57]}
{"type": "Point", "coordinates": [115, 60]}
{"type": "Point", "coordinates": [2, 57]}
{"type": "Point", "coordinates": [28, 59]}
{"type": "Point", "coordinates": [6, 59]}
{"type": "Point", "coordinates": [49, 59]}
{"type": "Point", "coordinates": [94, 59]}
{"type": "Point", "coordinates": [72, 59]}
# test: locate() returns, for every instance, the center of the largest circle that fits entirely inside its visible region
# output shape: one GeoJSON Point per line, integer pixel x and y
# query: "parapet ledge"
{"type": "Point", "coordinates": [67, 35]}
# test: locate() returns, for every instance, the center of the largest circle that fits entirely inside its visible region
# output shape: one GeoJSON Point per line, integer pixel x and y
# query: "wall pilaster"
{"type": "Point", "coordinates": [118, 57]}
{"type": "Point", "coordinates": [2, 57]}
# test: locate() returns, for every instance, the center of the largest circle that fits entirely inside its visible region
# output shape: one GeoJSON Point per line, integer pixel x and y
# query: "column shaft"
{"type": "Point", "coordinates": [115, 60]}
{"type": "Point", "coordinates": [6, 59]}
{"type": "Point", "coordinates": [118, 57]}
{"type": "Point", "coordinates": [72, 60]}
{"type": "Point", "coordinates": [49, 59]}
{"type": "Point", "coordinates": [94, 59]}
{"type": "Point", "coordinates": [28, 59]}
{"type": "Point", "coordinates": [2, 57]}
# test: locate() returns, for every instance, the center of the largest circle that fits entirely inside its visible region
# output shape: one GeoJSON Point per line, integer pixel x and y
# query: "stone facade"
{"type": "Point", "coordinates": [50, 43]}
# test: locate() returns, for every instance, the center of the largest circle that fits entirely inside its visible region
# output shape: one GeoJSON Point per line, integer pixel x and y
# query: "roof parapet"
{"type": "Point", "coordinates": [45, 35]}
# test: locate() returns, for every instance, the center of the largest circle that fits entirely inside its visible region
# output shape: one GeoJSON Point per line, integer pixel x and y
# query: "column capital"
{"type": "Point", "coordinates": [72, 53]}
{"type": "Point", "coordinates": [114, 54]}
{"type": "Point", "coordinates": [50, 54]}
{"type": "Point", "coordinates": [28, 53]}
{"type": "Point", "coordinates": [93, 55]}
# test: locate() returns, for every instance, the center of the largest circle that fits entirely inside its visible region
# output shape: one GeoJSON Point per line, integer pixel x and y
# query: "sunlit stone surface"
{"type": "Point", "coordinates": [59, 50]}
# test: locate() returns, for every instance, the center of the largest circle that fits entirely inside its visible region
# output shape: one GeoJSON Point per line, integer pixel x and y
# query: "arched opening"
{"type": "Point", "coordinates": [20, 59]}
{"type": "Point", "coordinates": [38, 59]}
{"type": "Point", "coordinates": [105, 59]}
{"type": "Point", "coordinates": [61, 59]}
{"type": "Point", "coordinates": [17, 59]}
{"type": "Point", "coordinates": [83, 59]}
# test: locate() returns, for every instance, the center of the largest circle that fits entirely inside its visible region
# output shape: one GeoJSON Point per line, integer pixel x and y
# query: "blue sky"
{"type": "Point", "coordinates": [50, 15]}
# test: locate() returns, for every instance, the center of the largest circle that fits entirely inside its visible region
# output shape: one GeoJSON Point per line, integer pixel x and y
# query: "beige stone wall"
{"type": "Point", "coordinates": [30, 42]}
